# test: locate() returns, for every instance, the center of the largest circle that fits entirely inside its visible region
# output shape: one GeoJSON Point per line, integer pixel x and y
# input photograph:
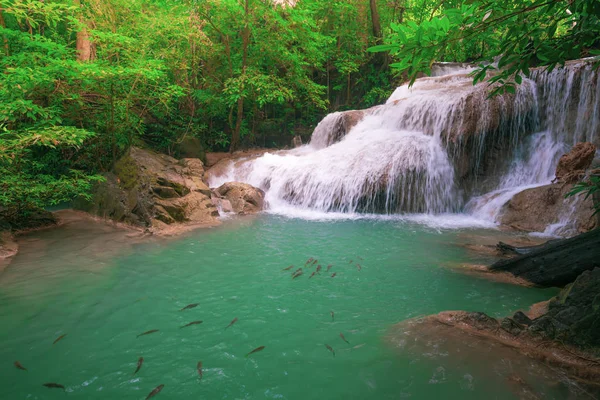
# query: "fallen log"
{"type": "Point", "coordinates": [505, 248]}
{"type": "Point", "coordinates": [555, 263]}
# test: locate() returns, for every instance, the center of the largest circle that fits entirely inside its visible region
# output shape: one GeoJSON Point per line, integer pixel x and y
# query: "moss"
{"type": "Point", "coordinates": [127, 171]}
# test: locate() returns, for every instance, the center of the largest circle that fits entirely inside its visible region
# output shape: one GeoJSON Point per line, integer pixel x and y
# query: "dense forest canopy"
{"type": "Point", "coordinates": [83, 80]}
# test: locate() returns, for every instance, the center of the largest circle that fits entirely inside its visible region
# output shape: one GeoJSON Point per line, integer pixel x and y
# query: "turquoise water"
{"type": "Point", "coordinates": [86, 282]}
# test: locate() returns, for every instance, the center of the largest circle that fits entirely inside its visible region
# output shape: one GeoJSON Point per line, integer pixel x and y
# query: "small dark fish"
{"type": "Point", "coordinates": [309, 261]}
{"type": "Point", "coordinates": [140, 362]}
{"type": "Point", "coordinates": [343, 338]}
{"type": "Point", "coordinates": [155, 391]}
{"type": "Point", "coordinates": [360, 258]}
{"type": "Point", "coordinates": [358, 267]}
{"type": "Point", "coordinates": [233, 321]}
{"type": "Point", "coordinates": [190, 306]}
{"type": "Point", "coordinates": [199, 368]}
{"type": "Point", "coordinates": [350, 262]}
{"type": "Point", "coordinates": [329, 267]}
{"type": "Point", "coordinates": [334, 274]}
{"type": "Point", "coordinates": [318, 268]}
{"type": "Point", "coordinates": [20, 366]}
{"type": "Point", "coordinates": [192, 323]}
{"type": "Point", "coordinates": [53, 385]}
{"type": "Point", "coordinates": [59, 338]}
{"type": "Point", "coordinates": [288, 268]}
{"type": "Point", "coordinates": [297, 274]}
{"type": "Point", "coordinates": [314, 262]}
{"type": "Point", "coordinates": [148, 332]}
{"type": "Point", "coordinates": [256, 350]}
{"type": "Point", "coordinates": [313, 274]}
{"type": "Point", "coordinates": [330, 349]}
{"type": "Point", "coordinates": [332, 315]}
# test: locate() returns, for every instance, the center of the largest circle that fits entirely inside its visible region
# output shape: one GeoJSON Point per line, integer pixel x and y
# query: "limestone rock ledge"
{"type": "Point", "coordinates": [156, 192]}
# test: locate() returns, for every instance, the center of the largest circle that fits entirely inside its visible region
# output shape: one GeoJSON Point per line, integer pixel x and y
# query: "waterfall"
{"type": "Point", "coordinates": [440, 146]}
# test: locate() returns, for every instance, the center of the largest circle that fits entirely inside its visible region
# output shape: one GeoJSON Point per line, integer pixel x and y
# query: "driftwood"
{"type": "Point", "coordinates": [505, 248]}
{"type": "Point", "coordinates": [555, 263]}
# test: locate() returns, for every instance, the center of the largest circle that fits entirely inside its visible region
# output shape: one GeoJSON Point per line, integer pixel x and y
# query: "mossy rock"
{"type": "Point", "coordinates": [127, 171]}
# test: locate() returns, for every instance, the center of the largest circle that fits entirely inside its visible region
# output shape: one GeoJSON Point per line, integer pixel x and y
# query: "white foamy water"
{"type": "Point", "coordinates": [400, 160]}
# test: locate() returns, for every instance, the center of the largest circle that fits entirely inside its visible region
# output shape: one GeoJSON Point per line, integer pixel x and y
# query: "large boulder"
{"type": "Point", "coordinates": [571, 166]}
{"type": "Point", "coordinates": [155, 191]}
{"type": "Point", "coordinates": [533, 210]}
{"type": "Point", "coordinates": [240, 198]}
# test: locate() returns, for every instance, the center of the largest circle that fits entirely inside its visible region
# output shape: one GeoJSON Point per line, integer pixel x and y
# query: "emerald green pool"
{"type": "Point", "coordinates": [87, 283]}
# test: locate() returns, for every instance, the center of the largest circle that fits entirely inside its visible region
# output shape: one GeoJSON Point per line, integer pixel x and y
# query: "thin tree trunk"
{"type": "Point", "coordinates": [86, 50]}
{"type": "Point", "coordinates": [375, 21]}
{"type": "Point", "coordinates": [4, 39]}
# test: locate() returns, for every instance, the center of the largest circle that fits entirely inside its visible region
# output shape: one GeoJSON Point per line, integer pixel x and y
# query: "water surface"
{"type": "Point", "coordinates": [90, 285]}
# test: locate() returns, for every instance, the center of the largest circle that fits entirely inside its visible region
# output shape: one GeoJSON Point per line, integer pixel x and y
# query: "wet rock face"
{"type": "Point", "coordinates": [574, 315]}
{"type": "Point", "coordinates": [572, 165]}
{"type": "Point", "coordinates": [240, 197]}
{"type": "Point", "coordinates": [532, 210]}
{"type": "Point", "coordinates": [153, 190]}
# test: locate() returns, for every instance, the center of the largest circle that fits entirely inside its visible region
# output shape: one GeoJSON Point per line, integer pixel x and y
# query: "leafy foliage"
{"type": "Point", "coordinates": [590, 187]}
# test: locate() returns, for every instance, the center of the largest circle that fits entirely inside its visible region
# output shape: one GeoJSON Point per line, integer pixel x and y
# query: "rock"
{"type": "Point", "coordinates": [557, 263]}
{"type": "Point", "coordinates": [534, 209]}
{"type": "Point", "coordinates": [191, 147]}
{"type": "Point", "coordinates": [521, 318]}
{"type": "Point", "coordinates": [573, 316]}
{"type": "Point", "coordinates": [571, 166]}
{"type": "Point", "coordinates": [296, 141]}
{"type": "Point", "coordinates": [8, 248]}
{"type": "Point", "coordinates": [244, 198]}
{"type": "Point", "coordinates": [154, 190]}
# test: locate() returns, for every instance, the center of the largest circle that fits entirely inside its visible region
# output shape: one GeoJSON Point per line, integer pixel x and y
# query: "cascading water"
{"type": "Point", "coordinates": [440, 146]}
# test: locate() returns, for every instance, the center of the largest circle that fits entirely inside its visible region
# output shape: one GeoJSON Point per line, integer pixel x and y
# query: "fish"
{"type": "Point", "coordinates": [297, 274]}
{"type": "Point", "coordinates": [358, 267]}
{"type": "Point", "coordinates": [139, 365]}
{"type": "Point", "coordinates": [343, 338]}
{"type": "Point", "coordinates": [20, 366]}
{"type": "Point", "coordinates": [330, 349]}
{"type": "Point", "coordinates": [233, 321]}
{"type": "Point", "coordinates": [309, 261]}
{"type": "Point", "coordinates": [148, 332]}
{"type": "Point", "coordinates": [332, 315]}
{"type": "Point", "coordinates": [350, 262]}
{"type": "Point", "coordinates": [59, 338]}
{"type": "Point", "coordinates": [53, 385]}
{"type": "Point", "coordinates": [313, 274]}
{"type": "Point", "coordinates": [192, 323]}
{"type": "Point", "coordinates": [199, 368]}
{"type": "Point", "coordinates": [318, 268]}
{"type": "Point", "coordinates": [329, 267]}
{"type": "Point", "coordinates": [256, 350]}
{"type": "Point", "coordinates": [155, 391]}
{"type": "Point", "coordinates": [360, 258]}
{"type": "Point", "coordinates": [288, 268]}
{"type": "Point", "coordinates": [334, 274]}
{"type": "Point", "coordinates": [358, 346]}
{"type": "Point", "coordinates": [190, 306]}
{"type": "Point", "coordinates": [314, 262]}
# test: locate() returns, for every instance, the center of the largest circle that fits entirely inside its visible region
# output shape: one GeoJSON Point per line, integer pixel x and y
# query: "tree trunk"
{"type": "Point", "coordinates": [375, 21]}
{"type": "Point", "coordinates": [86, 50]}
{"type": "Point", "coordinates": [235, 137]}
{"type": "Point", "coordinates": [556, 263]}
{"type": "Point", "coordinates": [4, 39]}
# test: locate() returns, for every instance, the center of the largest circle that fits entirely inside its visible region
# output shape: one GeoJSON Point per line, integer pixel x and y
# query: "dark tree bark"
{"type": "Point", "coordinates": [375, 21]}
{"type": "Point", "coordinates": [556, 263]}
{"type": "Point", "coordinates": [4, 39]}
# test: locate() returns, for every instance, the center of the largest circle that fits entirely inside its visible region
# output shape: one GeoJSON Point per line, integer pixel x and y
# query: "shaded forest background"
{"type": "Point", "coordinates": [83, 80]}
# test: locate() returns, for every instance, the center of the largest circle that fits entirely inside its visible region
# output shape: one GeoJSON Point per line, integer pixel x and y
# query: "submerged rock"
{"type": "Point", "coordinates": [241, 198]}
{"type": "Point", "coordinates": [154, 191]}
